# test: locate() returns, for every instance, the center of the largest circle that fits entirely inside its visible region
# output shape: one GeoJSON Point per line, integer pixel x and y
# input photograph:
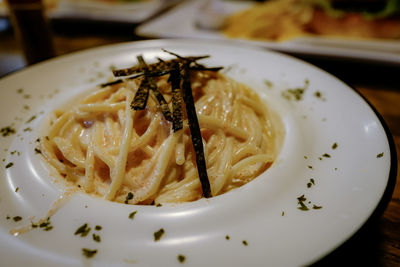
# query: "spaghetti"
{"type": "Point", "coordinates": [105, 148]}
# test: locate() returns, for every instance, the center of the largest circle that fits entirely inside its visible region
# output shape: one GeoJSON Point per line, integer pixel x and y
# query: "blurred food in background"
{"type": "Point", "coordinates": [286, 19]}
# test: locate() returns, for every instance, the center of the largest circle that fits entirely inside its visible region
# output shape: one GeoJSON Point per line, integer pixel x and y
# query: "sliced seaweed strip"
{"type": "Point", "coordinates": [195, 130]}
{"type": "Point", "coordinates": [199, 67]}
{"type": "Point", "coordinates": [155, 69]}
{"type": "Point", "coordinates": [142, 94]}
{"type": "Point", "coordinates": [111, 83]}
{"type": "Point", "coordinates": [128, 71]}
{"type": "Point", "coordinates": [161, 100]}
{"type": "Point", "coordinates": [122, 80]}
{"type": "Point", "coordinates": [153, 87]}
{"type": "Point", "coordinates": [175, 80]}
{"type": "Point", "coordinates": [186, 59]}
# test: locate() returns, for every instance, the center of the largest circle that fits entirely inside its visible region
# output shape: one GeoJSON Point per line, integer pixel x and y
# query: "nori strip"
{"type": "Point", "coordinates": [157, 69]}
{"type": "Point", "coordinates": [161, 101]}
{"type": "Point", "coordinates": [121, 80]}
{"type": "Point", "coordinates": [195, 130]}
{"type": "Point", "coordinates": [163, 67]}
{"type": "Point", "coordinates": [186, 59]}
{"type": "Point", "coordinates": [175, 80]}
{"type": "Point", "coordinates": [142, 94]}
{"type": "Point", "coordinates": [199, 67]}
{"type": "Point", "coordinates": [128, 71]}
{"type": "Point", "coordinates": [111, 83]}
{"type": "Point", "coordinates": [153, 86]}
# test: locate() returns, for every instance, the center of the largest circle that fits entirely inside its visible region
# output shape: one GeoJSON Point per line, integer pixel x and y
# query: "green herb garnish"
{"type": "Point", "coordinates": [268, 83]}
{"type": "Point", "coordinates": [318, 95]}
{"type": "Point", "coordinates": [335, 145]}
{"type": "Point", "coordinates": [9, 165]}
{"type": "Point", "coordinates": [46, 226]}
{"type": "Point", "coordinates": [300, 201]}
{"type": "Point", "coordinates": [17, 218]}
{"type": "Point", "coordinates": [310, 183]}
{"type": "Point", "coordinates": [83, 230]}
{"type": "Point", "coordinates": [89, 253]}
{"type": "Point", "coordinates": [96, 238]}
{"type": "Point", "coordinates": [380, 155]}
{"type": "Point", "coordinates": [6, 131]}
{"type": "Point", "coordinates": [296, 93]}
{"type": "Point", "coordinates": [132, 214]}
{"type": "Point", "coordinates": [129, 196]}
{"type": "Point", "coordinates": [31, 119]}
{"type": "Point", "coordinates": [158, 234]}
{"type": "Point", "coordinates": [244, 242]}
{"type": "Point", "coordinates": [181, 258]}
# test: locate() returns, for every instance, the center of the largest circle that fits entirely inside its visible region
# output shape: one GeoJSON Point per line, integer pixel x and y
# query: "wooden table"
{"type": "Point", "coordinates": [378, 242]}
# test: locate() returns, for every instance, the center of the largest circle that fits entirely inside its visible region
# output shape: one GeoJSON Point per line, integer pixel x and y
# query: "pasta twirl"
{"type": "Point", "coordinates": [103, 147]}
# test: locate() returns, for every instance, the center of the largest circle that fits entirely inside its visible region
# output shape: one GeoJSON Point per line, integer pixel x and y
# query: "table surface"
{"type": "Point", "coordinates": [378, 242]}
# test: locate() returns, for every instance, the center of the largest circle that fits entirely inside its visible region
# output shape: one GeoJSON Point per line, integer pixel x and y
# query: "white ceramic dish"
{"type": "Point", "coordinates": [348, 185]}
{"type": "Point", "coordinates": [180, 22]}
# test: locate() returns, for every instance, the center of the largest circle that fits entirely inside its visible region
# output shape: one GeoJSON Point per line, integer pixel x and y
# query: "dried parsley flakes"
{"type": "Point", "coordinates": [89, 253]}
{"type": "Point", "coordinates": [96, 238]}
{"type": "Point", "coordinates": [300, 201]}
{"type": "Point", "coordinates": [9, 165]}
{"type": "Point", "coordinates": [158, 234]}
{"type": "Point", "coordinates": [132, 214]}
{"type": "Point", "coordinates": [181, 258]}
{"type": "Point", "coordinates": [6, 131]}
{"type": "Point", "coordinates": [83, 230]}
{"type": "Point", "coordinates": [129, 196]}
{"type": "Point", "coordinates": [17, 218]}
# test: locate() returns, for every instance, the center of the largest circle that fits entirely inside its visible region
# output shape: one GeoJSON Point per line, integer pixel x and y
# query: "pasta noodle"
{"type": "Point", "coordinates": [105, 148]}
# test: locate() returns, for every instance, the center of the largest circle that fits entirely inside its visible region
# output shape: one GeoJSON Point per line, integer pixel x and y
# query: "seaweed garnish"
{"type": "Point", "coordinates": [195, 131]}
{"type": "Point", "coordinates": [179, 71]}
{"type": "Point", "coordinates": [175, 80]}
{"type": "Point", "coordinates": [150, 82]}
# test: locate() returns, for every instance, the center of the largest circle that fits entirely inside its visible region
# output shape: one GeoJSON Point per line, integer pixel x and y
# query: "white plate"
{"type": "Point", "coordinates": [180, 22]}
{"type": "Point", "coordinates": [126, 12]}
{"type": "Point", "coordinates": [348, 185]}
